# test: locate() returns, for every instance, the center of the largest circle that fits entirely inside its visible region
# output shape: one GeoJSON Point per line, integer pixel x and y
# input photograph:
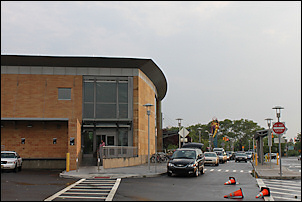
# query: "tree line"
{"type": "Point", "coordinates": [240, 135]}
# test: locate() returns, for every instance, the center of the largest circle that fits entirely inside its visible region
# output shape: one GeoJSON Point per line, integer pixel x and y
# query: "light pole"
{"type": "Point", "coordinates": [269, 122]}
{"type": "Point", "coordinates": [179, 125]}
{"type": "Point", "coordinates": [199, 131]}
{"type": "Point", "coordinates": [148, 106]}
{"type": "Point", "coordinates": [210, 141]}
{"type": "Point", "coordinates": [278, 113]}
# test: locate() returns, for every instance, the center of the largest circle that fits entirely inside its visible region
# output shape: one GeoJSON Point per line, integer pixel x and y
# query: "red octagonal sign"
{"type": "Point", "coordinates": [278, 128]}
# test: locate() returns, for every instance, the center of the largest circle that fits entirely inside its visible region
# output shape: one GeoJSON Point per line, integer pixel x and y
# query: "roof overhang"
{"type": "Point", "coordinates": [261, 134]}
{"type": "Point", "coordinates": [147, 66]}
{"type": "Point", "coordinates": [34, 119]}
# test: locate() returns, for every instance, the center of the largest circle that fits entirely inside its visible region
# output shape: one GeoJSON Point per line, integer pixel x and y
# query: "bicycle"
{"type": "Point", "coordinates": [160, 157]}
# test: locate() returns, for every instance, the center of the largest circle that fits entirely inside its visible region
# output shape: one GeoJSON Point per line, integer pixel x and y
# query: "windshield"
{"type": "Point", "coordinates": [248, 153]}
{"type": "Point", "coordinates": [189, 154]}
{"type": "Point", "coordinates": [210, 155]}
{"type": "Point", "coordinates": [8, 155]}
{"type": "Point", "coordinates": [240, 154]}
{"type": "Point", "coordinates": [219, 153]}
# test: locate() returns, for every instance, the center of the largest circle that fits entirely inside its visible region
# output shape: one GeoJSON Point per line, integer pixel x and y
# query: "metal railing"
{"type": "Point", "coordinates": [119, 151]}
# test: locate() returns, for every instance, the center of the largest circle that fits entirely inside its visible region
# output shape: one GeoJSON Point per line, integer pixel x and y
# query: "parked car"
{"type": "Point", "coordinates": [240, 156]}
{"type": "Point", "coordinates": [222, 156]}
{"type": "Point", "coordinates": [11, 160]}
{"type": "Point", "coordinates": [186, 161]}
{"type": "Point", "coordinates": [211, 158]}
{"type": "Point", "coordinates": [273, 155]}
{"type": "Point", "coordinates": [249, 155]}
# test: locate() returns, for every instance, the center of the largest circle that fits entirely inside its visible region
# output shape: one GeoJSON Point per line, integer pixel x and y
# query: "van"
{"type": "Point", "coordinates": [218, 149]}
{"type": "Point", "coordinates": [193, 145]}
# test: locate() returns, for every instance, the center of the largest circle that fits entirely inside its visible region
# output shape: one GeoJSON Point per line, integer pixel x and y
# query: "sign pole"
{"type": "Point", "coordinates": [279, 128]}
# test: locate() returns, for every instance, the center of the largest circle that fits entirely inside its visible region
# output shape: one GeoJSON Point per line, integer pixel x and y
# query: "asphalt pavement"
{"type": "Point", "coordinates": [265, 170]}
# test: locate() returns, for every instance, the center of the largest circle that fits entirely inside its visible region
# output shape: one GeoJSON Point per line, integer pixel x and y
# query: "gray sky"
{"type": "Point", "coordinates": [229, 60]}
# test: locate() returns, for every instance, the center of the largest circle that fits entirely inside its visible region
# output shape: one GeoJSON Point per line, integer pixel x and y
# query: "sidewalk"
{"type": "Point", "coordinates": [267, 171]}
{"type": "Point", "coordinates": [123, 172]}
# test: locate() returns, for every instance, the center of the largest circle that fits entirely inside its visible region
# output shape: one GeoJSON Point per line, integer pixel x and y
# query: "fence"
{"type": "Point", "coordinates": [119, 151]}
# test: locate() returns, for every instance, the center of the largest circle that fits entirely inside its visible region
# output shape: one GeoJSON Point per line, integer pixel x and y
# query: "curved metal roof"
{"type": "Point", "coordinates": [147, 66]}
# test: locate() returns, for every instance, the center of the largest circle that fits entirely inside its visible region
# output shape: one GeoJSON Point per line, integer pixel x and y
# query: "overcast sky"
{"type": "Point", "coordinates": [230, 60]}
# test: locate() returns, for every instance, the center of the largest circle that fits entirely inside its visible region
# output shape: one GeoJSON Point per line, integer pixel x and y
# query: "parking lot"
{"type": "Point", "coordinates": [20, 186]}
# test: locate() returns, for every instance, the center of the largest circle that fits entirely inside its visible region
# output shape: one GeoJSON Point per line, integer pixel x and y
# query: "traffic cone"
{"type": "Point", "coordinates": [263, 192]}
{"type": "Point", "coordinates": [235, 194]}
{"type": "Point", "coordinates": [231, 181]}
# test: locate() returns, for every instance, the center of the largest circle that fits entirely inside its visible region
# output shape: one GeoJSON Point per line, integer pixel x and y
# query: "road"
{"type": "Point", "coordinates": [31, 185]}
{"type": "Point", "coordinates": [207, 187]}
{"type": "Point", "coordinates": [38, 185]}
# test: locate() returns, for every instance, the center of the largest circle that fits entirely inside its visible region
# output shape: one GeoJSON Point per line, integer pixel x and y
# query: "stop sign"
{"type": "Point", "coordinates": [279, 127]}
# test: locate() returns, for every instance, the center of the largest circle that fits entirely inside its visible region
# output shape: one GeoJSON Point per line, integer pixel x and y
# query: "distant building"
{"type": "Point", "coordinates": [54, 105]}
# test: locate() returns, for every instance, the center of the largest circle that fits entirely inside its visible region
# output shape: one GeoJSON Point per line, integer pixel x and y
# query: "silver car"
{"type": "Point", "coordinates": [211, 158]}
{"type": "Point", "coordinates": [11, 160]}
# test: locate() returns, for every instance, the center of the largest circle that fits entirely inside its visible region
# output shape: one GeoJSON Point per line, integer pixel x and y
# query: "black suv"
{"type": "Point", "coordinates": [186, 161]}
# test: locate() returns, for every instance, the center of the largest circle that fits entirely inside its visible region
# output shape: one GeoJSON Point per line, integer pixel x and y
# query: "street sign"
{"type": "Point", "coordinates": [279, 127]}
{"type": "Point", "coordinates": [276, 140]}
{"type": "Point", "coordinates": [183, 132]}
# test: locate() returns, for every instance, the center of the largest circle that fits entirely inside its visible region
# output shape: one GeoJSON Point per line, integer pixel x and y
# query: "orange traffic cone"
{"type": "Point", "coordinates": [263, 192]}
{"type": "Point", "coordinates": [235, 194]}
{"type": "Point", "coordinates": [231, 181]}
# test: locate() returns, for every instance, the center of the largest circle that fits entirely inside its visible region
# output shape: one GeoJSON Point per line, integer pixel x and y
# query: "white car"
{"type": "Point", "coordinates": [11, 160]}
{"type": "Point", "coordinates": [211, 158]}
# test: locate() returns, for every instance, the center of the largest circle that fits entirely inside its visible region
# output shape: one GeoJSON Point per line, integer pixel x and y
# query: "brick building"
{"type": "Point", "coordinates": [54, 105]}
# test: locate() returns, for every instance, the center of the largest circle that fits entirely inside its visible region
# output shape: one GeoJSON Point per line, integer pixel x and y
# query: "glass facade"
{"type": "Point", "coordinates": [107, 97]}
{"type": "Point", "coordinates": [107, 110]}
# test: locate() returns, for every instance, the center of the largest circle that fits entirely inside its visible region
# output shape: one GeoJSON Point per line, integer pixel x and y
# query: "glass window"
{"type": "Point", "coordinates": [88, 110]}
{"type": "Point", "coordinates": [88, 91]}
{"type": "Point", "coordinates": [123, 92]}
{"type": "Point", "coordinates": [106, 91]}
{"type": "Point", "coordinates": [64, 93]}
{"type": "Point", "coordinates": [123, 110]}
{"type": "Point", "coordinates": [123, 137]}
{"type": "Point", "coordinates": [105, 110]}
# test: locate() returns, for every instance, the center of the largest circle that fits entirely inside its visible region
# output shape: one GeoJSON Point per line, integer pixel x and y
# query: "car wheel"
{"type": "Point", "coordinates": [16, 168]}
{"type": "Point", "coordinates": [20, 168]}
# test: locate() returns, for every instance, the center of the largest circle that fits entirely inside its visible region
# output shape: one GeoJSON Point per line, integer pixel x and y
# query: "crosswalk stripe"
{"type": "Point", "coordinates": [89, 189]}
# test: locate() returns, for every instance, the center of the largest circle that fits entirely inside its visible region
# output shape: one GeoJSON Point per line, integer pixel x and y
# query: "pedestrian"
{"type": "Point", "coordinates": [102, 144]}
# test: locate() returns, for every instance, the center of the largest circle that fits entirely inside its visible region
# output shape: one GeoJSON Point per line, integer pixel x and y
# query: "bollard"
{"type": "Point", "coordinates": [67, 162]}
{"type": "Point", "coordinates": [256, 159]}
{"type": "Point", "coordinates": [98, 164]}
{"type": "Point", "coordinates": [277, 158]}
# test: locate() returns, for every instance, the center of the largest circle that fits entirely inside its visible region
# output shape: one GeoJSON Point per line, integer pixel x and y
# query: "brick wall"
{"type": "Point", "coordinates": [36, 96]}
{"type": "Point", "coordinates": [143, 94]}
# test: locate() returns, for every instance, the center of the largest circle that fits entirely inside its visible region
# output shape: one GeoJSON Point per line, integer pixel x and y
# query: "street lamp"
{"type": "Point", "coordinates": [148, 106]}
{"type": "Point", "coordinates": [210, 140]}
{"type": "Point", "coordinates": [278, 113]}
{"type": "Point", "coordinates": [179, 125]}
{"type": "Point", "coordinates": [199, 131]}
{"type": "Point", "coordinates": [269, 122]}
